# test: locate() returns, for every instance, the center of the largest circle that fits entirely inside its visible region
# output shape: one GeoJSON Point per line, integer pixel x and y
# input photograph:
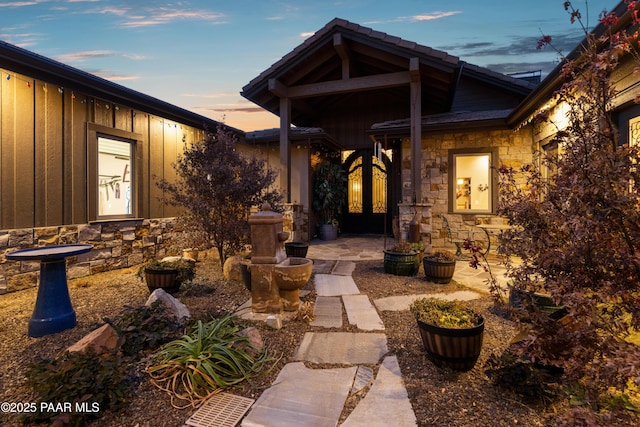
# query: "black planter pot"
{"type": "Point", "coordinates": [245, 270]}
{"type": "Point", "coordinates": [296, 249]}
{"type": "Point", "coordinates": [518, 298]}
{"type": "Point", "coordinates": [439, 271]}
{"type": "Point", "coordinates": [328, 232]}
{"type": "Point", "coordinates": [457, 349]}
{"type": "Point", "coordinates": [401, 264]}
{"type": "Point", "coordinates": [162, 279]}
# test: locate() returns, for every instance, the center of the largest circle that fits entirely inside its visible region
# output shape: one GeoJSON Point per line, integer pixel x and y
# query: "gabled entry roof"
{"type": "Point", "coordinates": [344, 58]}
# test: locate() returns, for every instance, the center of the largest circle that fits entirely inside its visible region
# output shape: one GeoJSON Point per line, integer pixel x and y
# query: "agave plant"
{"type": "Point", "coordinates": [211, 357]}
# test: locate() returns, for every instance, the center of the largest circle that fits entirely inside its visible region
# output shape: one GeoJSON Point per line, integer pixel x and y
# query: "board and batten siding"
{"type": "Point", "coordinates": [44, 153]}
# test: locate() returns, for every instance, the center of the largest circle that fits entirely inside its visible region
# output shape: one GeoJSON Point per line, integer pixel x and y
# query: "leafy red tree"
{"type": "Point", "coordinates": [217, 186]}
{"type": "Point", "coordinates": [577, 234]}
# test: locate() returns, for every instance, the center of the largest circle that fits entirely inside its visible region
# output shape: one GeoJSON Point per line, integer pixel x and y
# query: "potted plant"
{"type": "Point", "coordinates": [439, 266]}
{"type": "Point", "coordinates": [531, 295]}
{"type": "Point", "coordinates": [167, 275]}
{"type": "Point", "coordinates": [451, 332]}
{"type": "Point", "coordinates": [296, 249]}
{"type": "Point", "coordinates": [403, 259]}
{"type": "Point", "coordinates": [329, 197]}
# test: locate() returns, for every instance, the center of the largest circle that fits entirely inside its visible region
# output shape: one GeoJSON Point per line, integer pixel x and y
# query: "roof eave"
{"type": "Point", "coordinates": [39, 67]}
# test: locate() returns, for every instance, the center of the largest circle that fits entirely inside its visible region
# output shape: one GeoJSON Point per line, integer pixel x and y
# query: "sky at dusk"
{"type": "Point", "coordinates": [198, 54]}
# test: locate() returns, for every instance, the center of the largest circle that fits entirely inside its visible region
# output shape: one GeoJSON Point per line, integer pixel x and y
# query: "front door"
{"type": "Point", "coordinates": [368, 192]}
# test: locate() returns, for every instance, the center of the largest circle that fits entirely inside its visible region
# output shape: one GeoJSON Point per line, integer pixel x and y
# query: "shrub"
{"type": "Point", "coordinates": [97, 381]}
{"type": "Point", "coordinates": [218, 186]}
{"type": "Point", "coordinates": [212, 356]}
{"type": "Point", "coordinates": [145, 328]}
{"type": "Point", "coordinates": [579, 234]}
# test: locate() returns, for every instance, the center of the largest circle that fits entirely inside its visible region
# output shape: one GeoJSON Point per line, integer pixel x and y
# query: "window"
{"type": "Point", "coordinates": [471, 181]}
{"type": "Point", "coordinates": [114, 177]}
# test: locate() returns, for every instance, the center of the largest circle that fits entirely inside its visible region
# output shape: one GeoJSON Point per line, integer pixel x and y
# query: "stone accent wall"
{"type": "Point", "coordinates": [407, 212]}
{"type": "Point", "coordinates": [514, 149]}
{"type": "Point", "coordinates": [296, 221]}
{"type": "Point", "coordinates": [116, 244]}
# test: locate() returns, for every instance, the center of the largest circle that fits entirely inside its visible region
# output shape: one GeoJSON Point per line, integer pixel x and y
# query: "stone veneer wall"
{"type": "Point", "coordinates": [515, 148]}
{"type": "Point", "coordinates": [296, 221]}
{"type": "Point", "coordinates": [116, 244]}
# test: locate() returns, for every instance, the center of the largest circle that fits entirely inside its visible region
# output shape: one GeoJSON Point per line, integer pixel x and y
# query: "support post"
{"type": "Point", "coordinates": [285, 148]}
{"type": "Point", "coordinates": [416, 129]}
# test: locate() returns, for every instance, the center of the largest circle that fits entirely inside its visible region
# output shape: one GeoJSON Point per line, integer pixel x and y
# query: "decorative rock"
{"type": "Point", "coordinates": [175, 307]}
{"type": "Point", "coordinates": [274, 321]}
{"type": "Point", "coordinates": [255, 344]}
{"type": "Point", "coordinates": [176, 259]}
{"type": "Point", "coordinates": [254, 337]}
{"type": "Point", "coordinates": [102, 340]}
{"type": "Point", "coordinates": [231, 268]}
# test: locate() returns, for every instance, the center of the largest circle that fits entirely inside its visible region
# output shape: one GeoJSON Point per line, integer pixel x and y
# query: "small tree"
{"type": "Point", "coordinates": [218, 186]}
{"type": "Point", "coordinates": [578, 236]}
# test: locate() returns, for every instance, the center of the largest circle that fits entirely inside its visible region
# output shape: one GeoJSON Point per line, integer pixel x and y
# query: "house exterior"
{"type": "Point", "coordinates": [78, 159]}
{"type": "Point", "coordinates": [401, 112]}
{"type": "Point", "coordinates": [418, 131]}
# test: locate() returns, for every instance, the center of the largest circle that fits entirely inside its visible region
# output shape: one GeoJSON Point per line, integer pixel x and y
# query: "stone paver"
{"type": "Point", "coordinates": [343, 268]}
{"type": "Point", "coordinates": [364, 377]}
{"type": "Point", "coordinates": [361, 313]}
{"type": "Point", "coordinates": [327, 312]}
{"type": "Point", "coordinates": [342, 347]}
{"type": "Point", "coordinates": [387, 402]}
{"type": "Point", "coordinates": [323, 266]}
{"type": "Point", "coordinates": [303, 397]}
{"type": "Point", "coordinates": [402, 302]}
{"type": "Point", "coordinates": [329, 285]}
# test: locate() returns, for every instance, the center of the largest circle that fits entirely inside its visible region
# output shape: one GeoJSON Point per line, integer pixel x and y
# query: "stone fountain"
{"type": "Point", "coordinates": [275, 279]}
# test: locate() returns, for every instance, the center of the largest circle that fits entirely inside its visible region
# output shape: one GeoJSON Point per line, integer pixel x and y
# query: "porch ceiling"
{"type": "Point", "coordinates": [342, 59]}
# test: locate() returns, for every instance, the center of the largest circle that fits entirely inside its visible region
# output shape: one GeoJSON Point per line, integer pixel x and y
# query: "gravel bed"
{"type": "Point", "coordinates": [439, 397]}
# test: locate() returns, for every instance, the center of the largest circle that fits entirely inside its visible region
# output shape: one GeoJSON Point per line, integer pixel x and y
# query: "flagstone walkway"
{"type": "Point", "coordinates": [301, 396]}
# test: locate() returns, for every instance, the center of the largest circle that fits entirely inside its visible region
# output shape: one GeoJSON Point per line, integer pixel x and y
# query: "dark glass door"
{"type": "Point", "coordinates": [368, 193]}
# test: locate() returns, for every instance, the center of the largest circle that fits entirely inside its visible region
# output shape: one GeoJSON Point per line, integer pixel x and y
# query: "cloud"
{"type": "Point", "coordinates": [81, 56]}
{"type": "Point", "coordinates": [434, 15]}
{"type": "Point", "coordinates": [255, 109]}
{"type": "Point", "coordinates": [514, 46]}
{"type": "Point", "coordinates": [307, 34]}
{"type": "Point", "coordinates": [520, 67]}
{"type": "Point", "coordinates": [76, 57]}
{"type": "Point", "coordinates": [108, 75]}
{"type": "Point", "coordinates": [20, 3]}
{"type": "Point", "coordinates": [165, 15]}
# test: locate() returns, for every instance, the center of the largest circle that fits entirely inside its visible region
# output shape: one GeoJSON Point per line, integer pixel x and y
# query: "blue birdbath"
{"type": "Point", "coordinates": [53, 311]}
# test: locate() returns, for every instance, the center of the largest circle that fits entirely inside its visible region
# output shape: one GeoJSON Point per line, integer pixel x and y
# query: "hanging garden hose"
{"type": "Point", "coordinates": [211, 357]}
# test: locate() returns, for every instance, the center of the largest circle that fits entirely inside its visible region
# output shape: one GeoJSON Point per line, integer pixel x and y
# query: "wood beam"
{"type": "Point", "coordinates": [277, 88]}
{"type": "Point", "coordinates": [357, 84]}
{"type": "Point", "coordinates": [344, 54]}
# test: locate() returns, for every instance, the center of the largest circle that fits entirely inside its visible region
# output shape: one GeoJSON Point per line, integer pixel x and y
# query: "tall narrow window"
{"type": "Point", "coordinates": [379, 186]}
{"type": "Point", "coordinates": [355, 186]}
{"type": "Point", "coordinates": [115, 172]}
{"type": "Point", "coordinates": [471, 182]}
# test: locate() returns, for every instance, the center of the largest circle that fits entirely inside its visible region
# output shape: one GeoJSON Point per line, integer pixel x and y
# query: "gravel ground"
{"type": "Point", "coordinates": [439, 397]}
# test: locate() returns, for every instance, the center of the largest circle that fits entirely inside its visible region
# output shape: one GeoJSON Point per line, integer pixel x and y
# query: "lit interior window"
{"type": "Point", "coordinates": [114, 177]}
{"type": "Point", "coordinates": [472, 182]}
